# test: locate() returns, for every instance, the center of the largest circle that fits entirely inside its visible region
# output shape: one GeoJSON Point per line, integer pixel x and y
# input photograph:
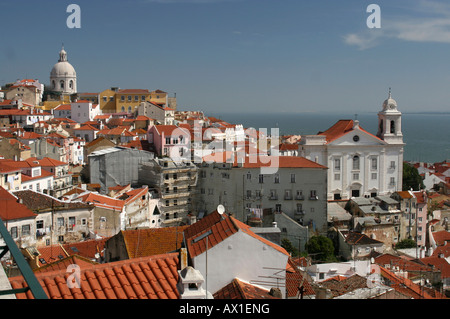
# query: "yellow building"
{"type": "Point", "coordinates": [115, 100]}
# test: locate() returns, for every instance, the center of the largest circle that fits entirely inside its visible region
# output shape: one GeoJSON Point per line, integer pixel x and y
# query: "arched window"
{"type": "Point", "coordinates": [61, 84]}
{"type": "Point", "coordinates": [54, 84]}
{"type": "Point", "coordinates": [129, 109]}
{"type": "Point", "coordinates": [71, 84]}
{"type": "Point", "coordinates": [392, 126]}
{"type": "Point", "coordinates": [123, 109]}
{"type": "Point", "coordinates": [356, 162]}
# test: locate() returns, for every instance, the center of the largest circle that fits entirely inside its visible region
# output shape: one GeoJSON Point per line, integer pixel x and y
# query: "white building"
{"type": "Point", "coordinates": [63, 77]}
{"type": "Point", "coordinates": [84, 111]}
{"type": "Point", "coordinates": [223, 248]}
{"type": "Point", "coordinates": [360, 163]}
{"type": "Point", "coordinates": [297, 188]}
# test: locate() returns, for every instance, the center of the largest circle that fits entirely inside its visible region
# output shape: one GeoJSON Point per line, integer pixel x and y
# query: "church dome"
{"type": "Point", "coordinates": [389, 103]}
{"type": "Point", "coordinates": [63, 68]}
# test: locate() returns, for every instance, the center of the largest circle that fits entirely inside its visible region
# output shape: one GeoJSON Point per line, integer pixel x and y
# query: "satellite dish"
{"type": "Point", "coordinates": [220, 209]}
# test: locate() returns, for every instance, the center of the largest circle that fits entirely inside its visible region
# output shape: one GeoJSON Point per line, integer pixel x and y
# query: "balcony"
{"type": "Point", "coordinates": [300, 197]}
{"type": "Point", "coordinates": [273, 197]}
{"type": "Point", "coordinates": [288, 197]}
{"type": "Point", "coordinates": [313, 197]}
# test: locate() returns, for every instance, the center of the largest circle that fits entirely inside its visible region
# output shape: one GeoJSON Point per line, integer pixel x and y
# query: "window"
{"type": "Point", "coordinates": [249, 194]}
{"type": "Point", "coordinates": [337, 177]}
{"type": "Point", "coordinates": [249, 176]}
{"type": "Point", "coordinates": [392, 127]}
{"type": "Point", "coordinates": [167, 140]}
{"type": "Point", "coordinates": [392, 181]}
{"type": "Point", "coordinates": [374, 175]}
{"type": "Point", "coordinates": [261, 178]}
{"type": "Point", "coordinates": [39, 224]}
{"type": "Point", "coordinates": [277, 179]}
{"type": "Point", "coordinates": [13, 232]}
{"type": "Point", "coordinates": [60, 221]}
{"type": "Point", "coordinates": [273, 194]}
{"type": "Point", "coordinates": [122, 98]}
{"type": "Point", "coordinates": [136, 98]}
{"type": "Point", "coordinates": [292, 178]}
{"type": "Point", "coordinates": [374, 163]}
{"type": "Point", "coordinates": [143, 98]}
{"type": "Point", "coordinates": [258, 193]}
{"type": "Point", "coordinates": [287, 194]}
{"type": "Point", "coordinates": [356, 162]}
{"type": "Point", "coordinates": [26, 230]}
{"type": "Point", "coordinates": [299, 208]}
{"type": "Point", "coordinates": [129, 98]}
{"type": "Point", "coordinates": [313, 194]}
{"type": "Point", "coordinates": [356, 176]}
{"type": "Point", "coordinates": [392, 165]}
{"type": "Point", "coordinates": [278, 208]}
{"type": "Point", "coordinates": [337, 164]}
{"type": "Point", "coordinates": [104, 99]}
{"type": "Point", "coordinates": [61, 84]}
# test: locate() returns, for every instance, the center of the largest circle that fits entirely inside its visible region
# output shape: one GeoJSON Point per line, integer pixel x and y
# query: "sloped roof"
{"type": "Point", "coordinates": [238, 289]}
{"type": "Point", "coordinates": [440, 237]}
{"type": "Point", "coordinates": [152, 241]}
{"type": "Point", "coordinates": [354, 238]}
{"type": "Point", "coordinates": [220, 228]}
{"type": "Point", "coordinates": [39, 201]}
{"type": "Point", "coordinates": [341, 128]}
{"type": "Point", "coordinates": [153, 277]}
{"type": "Point", "coordinates": [11, 209]}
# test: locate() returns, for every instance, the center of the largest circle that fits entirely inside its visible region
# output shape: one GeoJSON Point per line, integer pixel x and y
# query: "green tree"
{"type": "Point", "coordinates": [411, 178]}
{"type": "Point", "coordinates": [405, 243]}
{"type": "Point", "coordinates": [286, 244]}
{"type": "Point", "coordinates": [321, 248]}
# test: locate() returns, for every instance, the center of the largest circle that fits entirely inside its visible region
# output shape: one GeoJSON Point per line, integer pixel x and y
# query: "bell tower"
{"type": "Point", "coordinates": [390, 122]}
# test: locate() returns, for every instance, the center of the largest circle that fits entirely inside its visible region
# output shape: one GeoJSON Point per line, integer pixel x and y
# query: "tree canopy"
{"type": "Point", "coordinates": [411, 178]}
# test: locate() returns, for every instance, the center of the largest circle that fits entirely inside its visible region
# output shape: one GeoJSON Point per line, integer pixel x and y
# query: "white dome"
{"type": "Point", "coordinates": [389, 103]}
{"type": "Point", "coordinates": [63, 69]}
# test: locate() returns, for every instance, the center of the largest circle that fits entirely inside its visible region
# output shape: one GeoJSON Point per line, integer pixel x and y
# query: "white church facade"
{"type": "Point", "coordinates": [359, 163]}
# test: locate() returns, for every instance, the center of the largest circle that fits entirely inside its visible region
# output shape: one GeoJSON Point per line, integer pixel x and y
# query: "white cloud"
{"type": "Point", "coordinates": [433, 25]}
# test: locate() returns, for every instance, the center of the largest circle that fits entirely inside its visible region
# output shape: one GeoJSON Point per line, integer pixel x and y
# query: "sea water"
{"type": "Point", "coordinates": [427, 136]}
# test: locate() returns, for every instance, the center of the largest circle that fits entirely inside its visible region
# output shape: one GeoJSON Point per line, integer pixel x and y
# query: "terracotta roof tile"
{"type": "Point", "coordinates": [11, 209]}
{"type": "Point", "coordinates": [153, 277]}
{"type": "Point", "coordinates": [238, 289]}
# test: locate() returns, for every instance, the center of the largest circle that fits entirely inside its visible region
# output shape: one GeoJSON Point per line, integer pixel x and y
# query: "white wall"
{"type": "Point", "coordinates": [240, 256]}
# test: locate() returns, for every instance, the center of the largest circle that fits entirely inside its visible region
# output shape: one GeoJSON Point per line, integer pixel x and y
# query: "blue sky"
{"type": "Point", "coordinates": [241, 55]}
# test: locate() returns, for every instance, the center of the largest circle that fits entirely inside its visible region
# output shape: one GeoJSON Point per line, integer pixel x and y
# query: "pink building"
{"type": "Point", "coordinates": [169, 140]}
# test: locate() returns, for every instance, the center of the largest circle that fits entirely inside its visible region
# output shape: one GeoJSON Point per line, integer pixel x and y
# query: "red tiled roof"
{"type": "Point", "coordinates": [339, 129]}
{"type": "Point", "coordinates": [125, 91]}
{"type": "Point", "coordinates": [87, 127]}
{"type": "Point", "coordinates": [405, 286]}
{"type": "Point", "coordinates": [103, 201]}
{"type": "Point", "coordinates": [221, 227]}
{"type": "Point", "coordinates": [152, 277]}
{"type": "Point", "coordinates": [11, 209]}
{"type": "Point", "coordinates": [295, 280]}
{"type": "Point", "coordinates": [152, 241]}
{"type": "Point", "coordinates": [47, 161]}
{"type": "Point", "coordinates": [238, 289]}
{"type": "Point", "coordinates": [254, 161]}
{"type": "Point", "coordinates": [440, 263]}
{"type": "Point", "coordinates": [64, 107]}
{"type": "Point", "coordinates": [440, 237]}
{"type": "Point", "coordinates": [44, 174]}
{"type": "Point", "coordinates": [62, 264]}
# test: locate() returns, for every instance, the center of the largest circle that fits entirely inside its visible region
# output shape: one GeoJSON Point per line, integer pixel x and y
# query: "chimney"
{"type": "Point", "coordinates": [183, 258]}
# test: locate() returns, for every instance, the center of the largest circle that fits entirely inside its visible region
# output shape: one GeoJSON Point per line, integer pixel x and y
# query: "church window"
{"type": "Point", "coordinates": [374, 163]}
{"type": "Point", "coordinates": [61, 84]}
{"type": "Point", "coordinates": [337, 164]}
{"type": "Point", "coordinates": [71, 84]}
{"type": "Point", "coordinates": [392, 126]}
{"type": "Point", "coordinates": [356, 162]}
{"type": "Point", "coordinates": [54, 84]}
